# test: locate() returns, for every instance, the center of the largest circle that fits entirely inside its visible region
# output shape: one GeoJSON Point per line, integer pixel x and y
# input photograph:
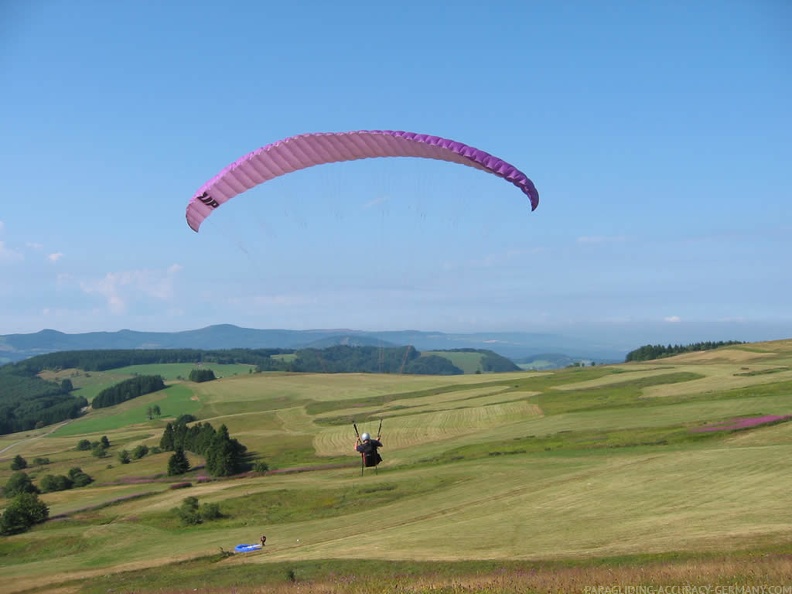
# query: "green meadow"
{"type": "Point", "coordinates": [552, 481]}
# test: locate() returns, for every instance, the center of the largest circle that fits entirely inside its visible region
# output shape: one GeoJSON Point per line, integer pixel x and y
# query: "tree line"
{"type": "Point", "coordinates": [27, 401]}
{"type": "Point", "coordinates": [103, 360]}
{"type": "Point", "coordinates": [658, 351]}
{"type": "Point", "coordinates": [127, 390]}
{"type": "Point", "coordinates": [369, 359]}
{"type": "Point", "coordinates": [334, 359]}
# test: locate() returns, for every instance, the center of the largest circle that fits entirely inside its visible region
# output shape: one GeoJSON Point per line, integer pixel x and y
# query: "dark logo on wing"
{"type": "Point", "coordinates": [208, 200]}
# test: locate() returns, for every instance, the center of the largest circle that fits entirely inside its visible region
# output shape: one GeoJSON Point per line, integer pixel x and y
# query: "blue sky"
{"type": "Point", "coordinates": [657, 133]}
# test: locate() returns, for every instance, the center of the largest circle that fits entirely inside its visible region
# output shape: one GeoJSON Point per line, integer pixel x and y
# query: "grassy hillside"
{"type": "Point", "coordinates": [469, 362]}
{"type": "Point", "coordinates": [638, 474]}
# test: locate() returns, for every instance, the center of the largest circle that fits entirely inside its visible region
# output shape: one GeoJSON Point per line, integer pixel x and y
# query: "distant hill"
{"type": "Point", "coordinates": [513, 345]}
{"type": "Point", "coordinates": [360, 340]}
{"type": "Point", "coordinates": [549, 361]}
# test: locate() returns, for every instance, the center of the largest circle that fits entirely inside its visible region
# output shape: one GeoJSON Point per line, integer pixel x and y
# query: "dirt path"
{"type": "Point", "coordinates": [51, 429]}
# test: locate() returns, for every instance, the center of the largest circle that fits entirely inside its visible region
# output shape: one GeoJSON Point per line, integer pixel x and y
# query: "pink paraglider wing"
{"type": "Point", "coordinates": [307, 150]}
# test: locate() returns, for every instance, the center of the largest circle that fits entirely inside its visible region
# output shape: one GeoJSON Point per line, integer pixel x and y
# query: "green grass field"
{"type": "Point", "coordinates": [520, 482]}
{"type": "Point", "coordinates": [467, 362]}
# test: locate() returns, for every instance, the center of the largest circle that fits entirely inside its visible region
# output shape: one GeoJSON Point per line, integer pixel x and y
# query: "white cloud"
{"type": "Point", "coordinates": [672, 319]}
{"type": "Point", "coordinates": [55, 257]}
{"type": "Point", "coordinates": [121, 288]}
{"type": "Point", "coordinates": [9, 254]}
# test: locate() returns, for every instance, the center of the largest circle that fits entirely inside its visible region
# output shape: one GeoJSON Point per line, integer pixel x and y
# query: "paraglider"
{"type": "Point", "coordinates": [247, 548]}
{"type": "Point", "coordinates": [367, 448]}
{"type": "Point", "coordinates": [306, 150]}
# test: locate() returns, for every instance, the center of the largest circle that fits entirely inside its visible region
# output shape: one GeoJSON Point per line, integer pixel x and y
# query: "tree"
{"type": "Point", "coordinates": [18, 463]}
{"type": "Point", "coordinates": [167, 442]}
{"type": "Point", "coordinates": [22, 513]}
{"type": "Point", "coordinates": [66, 385]}
{"type": "Point", "coordinates": [98, 450]}
{"type": "Point", "coordinates": [123, 457]}
{"type": "Point", "coordinates": [104, 441]}
{"type": "Point", "coordinates": [224, 455]}
{"type": "Point", "coordinates": [83, 445]}
{"type": "Point", "coordinates": [178, 463]}
{"type": "Point", "coordinates": [18, 483]}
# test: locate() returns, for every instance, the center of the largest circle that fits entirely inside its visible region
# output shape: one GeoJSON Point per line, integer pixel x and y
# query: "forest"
{"type": "Point", "coordinates": [658, 351]}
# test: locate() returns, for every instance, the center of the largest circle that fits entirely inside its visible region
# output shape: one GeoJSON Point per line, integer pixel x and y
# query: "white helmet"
{"type": "Point", "coordinates": [365, 437]}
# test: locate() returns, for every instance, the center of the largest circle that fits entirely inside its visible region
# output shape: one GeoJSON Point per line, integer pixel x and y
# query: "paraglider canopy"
{"type": "Point", "coordinates": [306, 150]}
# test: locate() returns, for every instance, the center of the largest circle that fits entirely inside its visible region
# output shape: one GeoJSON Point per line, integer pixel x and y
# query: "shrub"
{"type": "Point", "coordinates": [83, 445]}
{"type": "Point", "coordinates": [191, 513]}
{"type": "Point", "coordinates": [210, 511]}
{"type": "Point", "coordinates": [98, 450]}
{"type": "Point", "coordinates": [183, 485]}
{"type": "Point", "coordinates": [51, 483]}
{"type": "Point", "coordinates": [79, 478]}
{"type": "Point", "coordinates": [22, 513]}
{"type": "Point", "coordinates": [188, 512]}
{"type": "Point", "coordinates": [139, 452]}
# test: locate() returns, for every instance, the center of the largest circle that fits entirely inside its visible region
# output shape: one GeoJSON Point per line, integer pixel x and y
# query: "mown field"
{"type": "Point", "coordinates": [634, 474]}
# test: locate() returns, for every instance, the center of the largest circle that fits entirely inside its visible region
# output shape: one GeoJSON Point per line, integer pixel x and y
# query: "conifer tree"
{"type": "Point", "coordinates": [178, 463]}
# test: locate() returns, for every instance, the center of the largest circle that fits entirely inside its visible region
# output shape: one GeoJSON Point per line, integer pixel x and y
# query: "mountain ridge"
{"type": "Point", "coordinates": [17, 347]}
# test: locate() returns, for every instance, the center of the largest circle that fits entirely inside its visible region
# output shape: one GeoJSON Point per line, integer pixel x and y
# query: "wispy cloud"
{"type": "Point", "coordinates": [119, 289]}
{"type": "Point", "coordinates": [672, 319]}
{"type": "Point", "coordinates": [282, 300]}
{"type": "Point", "coordinates": [8, 254]}
{"type": "Point", "coordinates": [601, 239]}
{"type": "Point", "coordinates": [495, 259]}
{"type": "Point", "coordinates": [55, 257]}
{"type": "Point", "coordinates": [376, 202]}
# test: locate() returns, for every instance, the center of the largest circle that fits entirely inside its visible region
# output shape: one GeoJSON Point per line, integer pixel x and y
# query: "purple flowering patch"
{"type": "Point", "coordinates": [743, 423]}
